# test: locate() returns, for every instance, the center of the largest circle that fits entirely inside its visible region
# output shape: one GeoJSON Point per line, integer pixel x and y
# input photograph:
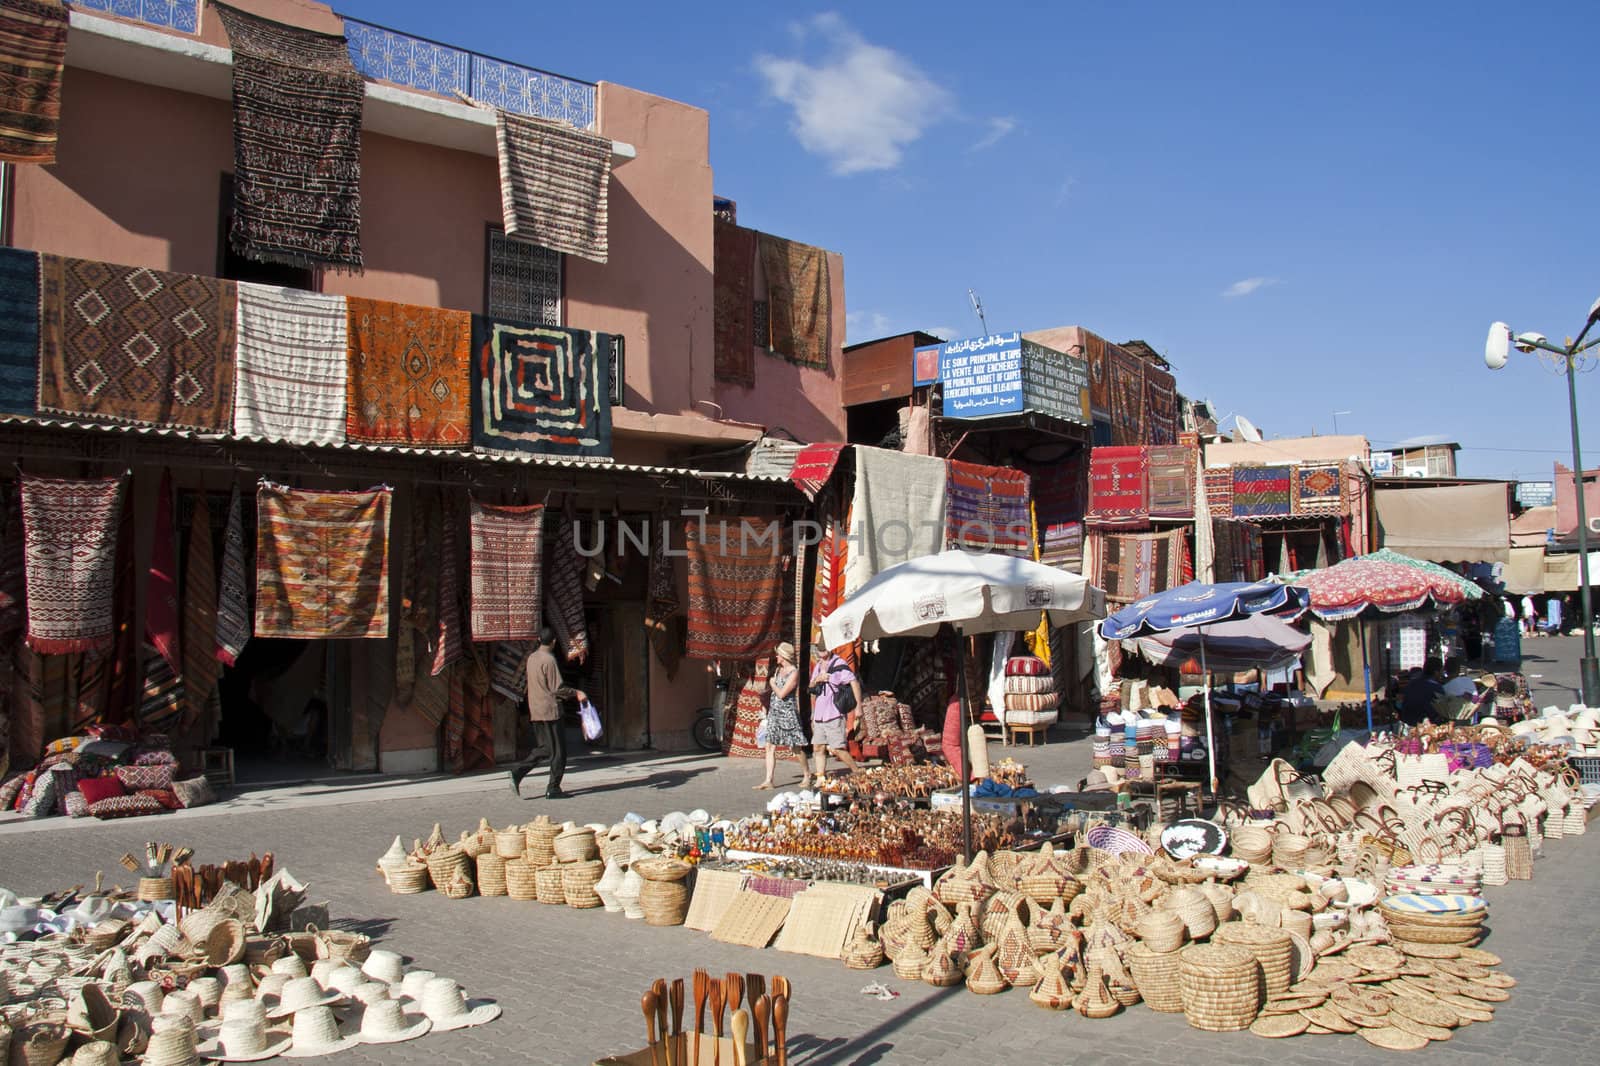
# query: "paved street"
{"type": "Point", "coordinates": [570, 980]}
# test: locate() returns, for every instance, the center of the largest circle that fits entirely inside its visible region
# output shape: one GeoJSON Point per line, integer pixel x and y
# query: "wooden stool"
{"type": "Point", "coordinates": [217, 765]}
{"type": "Point", "coordinates": [1030, 730]}
{"type": "Point", "coordinates": [1188, 793]}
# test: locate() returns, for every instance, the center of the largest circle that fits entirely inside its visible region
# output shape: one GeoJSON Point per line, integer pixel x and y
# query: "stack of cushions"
{"type": "Point", "coordinates": [1031, 696]}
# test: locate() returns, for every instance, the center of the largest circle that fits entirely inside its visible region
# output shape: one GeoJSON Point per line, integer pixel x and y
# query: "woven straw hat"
{"type": "Point", "coordinates": [300, 994]}
{"type": "Point", "coordinates": [316, 1033]}
{"type": "Point", "coordinates": [322, 969]}
{"type": "Point", "coordinates": [386, 1022]}
{"type": "Point", "coordinates": [386, 966]}
{"type": "Point", "coordinates": [209, 989]}
{"type": "Point", "coordinates": [97, 1053]}
{"type": "Point", "coordinates": [290, 966]}
{"type": "Point", "coordinates": [237, 982]}
{"type": "Point", "coordinates": [90, 1012]}
{"type": "Point", "coordinates": [172, 1042]}
{"type": "Point", "coordinates": [370, 992]}
{"type": "Point", "coordinates": [243, 1035]}
{"type": "Point", "coordinates": [272, 986]}
{"type": "Point", "coordinates": [447, 1007]}
{"type": "Point", "coordinates": [415, 982]}
{"type": "Point", "coordinates": [183, 1001]}
{"type": "Point", "coordinates": [146, 995]}
{"type": "Point", "coordinates": [344, 980]}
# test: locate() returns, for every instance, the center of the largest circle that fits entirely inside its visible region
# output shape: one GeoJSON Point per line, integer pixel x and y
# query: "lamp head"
{"type": "Point", "coordinates": [1497, 349]}
{"type": "Point", "coordinates": [1527, 342]}
{"type": "Point", "coordinates": [1594, 311]}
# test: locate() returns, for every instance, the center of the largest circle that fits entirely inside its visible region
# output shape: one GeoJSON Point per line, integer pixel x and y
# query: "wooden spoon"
{"type": "Point", "coordinates": [762, 1008]}
{"type": "Point", "coordinates": [649, 1005]}
{"type": "Point", "coordinates": [702, 985]}
{"type": "Point", "coordinates": [716, 1022]}
{"type": "Point", "coordinates": [676, 1000]}
{"type": "Point", "coordinates": [780, 1028]}
{"type": "Point", "coordinates": [659, 990]}
{"type": "Point", "coordinates": [740, 1026]}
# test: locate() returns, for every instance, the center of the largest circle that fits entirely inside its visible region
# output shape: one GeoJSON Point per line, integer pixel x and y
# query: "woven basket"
{"type": "Point", "coordinates": [863, 952]}
{"type": "Point", "coordinates": [577, 883]}
{"type": "Point", "coordinates": [549, 881]}
{"type": "Point", "coordinates": [1155, 973]}
{"type": "Point", "coordinates": [156, 889]}
{"type": "Point", "coordinates": [662, 869]}
{"type": "Point", "coordinates": [541, 841]}
{"type": "Point", "coordinates": [1273, 950]}
{"type": "Point", "coordinates": [446, 866]}
{"type": "Point", "coordinates": [510, 843]}
{"type": "Point", "coordinates": [1162, 931]}
{"type": "Point", "coordinates": [576, 845]}
{"type": "Point", "coordinates": [984, 977]}
{"type": "Point", "coordinates": [408, 879]}
{"type": "Point", "coordinates": [341, 945]}
{"type": "Point", "coordinates": [1220, 985]}
{"type": "Point", "coordinates": [39, 1044]}
{"type": "Point", "coordinates": [1194, 910]}
{"type": "Point", "coordinates": [1221, 899]}
{"type": "Point", "coordinates": [910, 960]}
{"type": "Point", "coordinates": [491, 874]}
{"type": "Point", "coordinates": [1251, 844]}
{"type": "Point", "coordinates": [664, 902]}
{"type": "Point", "coordinates": [460, 889]}
{"type": "Point", "coordinates": [1096, 1001]}
{"type": "Point", "coordinates": [521, 880]}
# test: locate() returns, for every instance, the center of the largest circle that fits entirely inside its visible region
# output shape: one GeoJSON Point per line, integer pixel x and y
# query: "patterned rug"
{"type": "Point", "coordinates": [162, 701]}
{"type": "Point", "coordinates": [11, 570]}
{"type": "Point", "coordinates": [200, 666]}
{"type": "Point", "coordinates": [1099, 394]}
{"type": "Point", "coordinates": [446, 640]}
{"type": "Point", "coordinates": [409, 374]}
{"type": "Point", "coordinates": [1319, 490]}
{"type": "Point", "coordinates": [1125, 390]}
{"type": "Point", "coordinates": [233, 589]}
{"type": "Point", "coordinates": [1060, 489]}
{"type": "Point", "coordinates": [733, 278]}
{"type": "Point", "coordinates": [69, 561]}
{"type": "Point", "coordinates": [799, 301]}
{"type": "Point", "coordinates": [33, 46]}
{"type": "Point", "coordinates": [293, 365]}
{"type": "Point", "coordinates": [507, 555]}
{"type": "Point", "coordinates": [827, 591]}
{"type": "Point", "coordinates": [661, 615]}
{"type": "Point", "coordinates": [1172, 482]}
{"type": "Point", "coordinates": [1219, 491]}
{"type": "Point", "coordinates": [1061, 546]}
{"type": "Point", "coordinates": [563, 591]}
{"type": "Point", "coordinates": [297, 103]}
{"type": "Point", "coordinates": [735, 587]}
{"type": "Point", "coordinates": [554, 183]}
{"type": "Point", "coordinates": [897, 513]}
{"type": "Point", "coordinates": [19, 328]}
{"type": "Point", "coordinates": [1161, 415]}
{"type": "Point", "coordinates": [540, 389]}
{"type": "Point", "coordinates": [986, 508]}
{"type": "Point", "coordinates": [1238, 551]}
{"type": "Point", "coordinates": [814, 466]}
{"type": "Point", "coordinates": [129, 344]}
{"type": "Point", "coordinates": [322, 563]}
{"type": "Point", "coordinates": [1136, 565]}
{"type": "Point", "coordinates": [161, 609]}
{"type": "Point", "coordinates": [1262, 491]}
{"type": "Point", "coordinates": [1119, 489]}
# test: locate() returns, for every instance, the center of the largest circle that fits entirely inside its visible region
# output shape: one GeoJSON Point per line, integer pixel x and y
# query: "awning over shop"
{"type": "Point", "coordinates": [1525, 572]}
{"type": "Point", "coordinates": [1446, 523]}
{"type": "Point", "coordinates": [1561, 571]}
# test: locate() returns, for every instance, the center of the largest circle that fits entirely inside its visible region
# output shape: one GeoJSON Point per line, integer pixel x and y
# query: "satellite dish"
{"type": "Point", "coordinates": [1416, 472]}
{"type": "Point", "coordinates": [1247, 429]}
{"type": "Point", "coordinates": [1497, 349]}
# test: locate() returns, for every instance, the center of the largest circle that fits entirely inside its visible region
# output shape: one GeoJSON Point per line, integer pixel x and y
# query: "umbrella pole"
{"type": "Point", "coordinates": [1366, 670]}
{"type": "Point", "coordinates": [1211, 747]}
{"type": "Point", "coordinates": [966, 759]}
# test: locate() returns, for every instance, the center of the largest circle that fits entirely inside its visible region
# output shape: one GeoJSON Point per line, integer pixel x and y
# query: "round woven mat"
{"type": "Point", "coordinates": [1277, 1026]}
{"type": "Point", "coordinates": [1392, 1039]}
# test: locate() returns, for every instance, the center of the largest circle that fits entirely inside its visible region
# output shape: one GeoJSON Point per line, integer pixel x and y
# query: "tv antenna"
{"type": "Point", "coordinates": [977, 309]}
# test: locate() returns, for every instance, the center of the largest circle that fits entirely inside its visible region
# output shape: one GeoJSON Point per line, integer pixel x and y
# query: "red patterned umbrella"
{"type": "Point", "coordinates": [1358, 586]}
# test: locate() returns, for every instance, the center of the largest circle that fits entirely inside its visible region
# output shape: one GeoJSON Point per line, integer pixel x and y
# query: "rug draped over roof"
{"type": "Point", "coordinates": [1125, 390]}
{"type": "Point", "coordinates": [1136, 565]}
{"type": "Point", "coordinates": [799, 300]}
{"type": "Point", "coordinates": [293, 365]}
{"type": "Point", "coordinates": [554, 184]}
{"type": "Point", "coordinates": [33, 47]}
{"type": "Point", "coordinates": [69, 561]}
{"type": "Point", "coordinates": [735, 587]}
{"type": "Point", "coordinates": [409, 374]}
{"type": "Point", "coordinates": [233, 587]}
{"type": "Point", "coordinates": [322, 563]}
{"type": "Point", "coordinates": [986, 508]}
{"type": "Point", "coordinates": [1119, 486]}
{"type": "Point", "coordinates": [506, 557]}
{"type": "Point", "coordinates": [1171, 481]}
{"type": "Point", "coordinates": [814, 466]}
{"type": "Point", "coordinates": [733, 283]}
{"type": "Point", "coordinates": [130, 344]}
{"type": "Point", "coordinates": [897, 512]}
{"type": "Point", "coordinates": [1319, 489]}
{"type": "Point", "coordinates": [543, 389]}
{"type": "Point", "coordinates": [19, 331]}
{"type": "Point", "coordinates": [1262, 491]}
{"type": "Point", "coordinates": [297, 103]}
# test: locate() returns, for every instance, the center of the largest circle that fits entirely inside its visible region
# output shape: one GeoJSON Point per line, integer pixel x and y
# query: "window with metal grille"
{"type": "Point", "coordinates": [523, 281]}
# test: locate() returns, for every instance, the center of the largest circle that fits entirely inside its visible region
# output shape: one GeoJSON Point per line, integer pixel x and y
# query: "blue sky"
{"type": "Point", "coordinates": [1308, 208]}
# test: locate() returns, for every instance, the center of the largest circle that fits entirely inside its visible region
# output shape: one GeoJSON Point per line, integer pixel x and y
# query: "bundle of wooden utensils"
{"type": "Point", "coordinates": [747, 1044]}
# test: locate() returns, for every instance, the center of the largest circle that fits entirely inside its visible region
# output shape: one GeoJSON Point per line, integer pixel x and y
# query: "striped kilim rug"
{"type": "Point", "coordinates": [507, 556]}
{"type": "Point", "coordinates": [554, 184]}
{"type": "Point", "coordinates": [322, 563]}
{"type": "Point", "coordinates": [69, 561]}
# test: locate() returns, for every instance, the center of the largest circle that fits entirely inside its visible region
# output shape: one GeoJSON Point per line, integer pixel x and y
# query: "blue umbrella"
{"type": "Point", "coordinates": [1194, 606]}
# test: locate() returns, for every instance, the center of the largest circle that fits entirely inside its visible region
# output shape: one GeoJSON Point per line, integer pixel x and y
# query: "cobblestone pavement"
{"type": "Point", "coordinates": [570, 980]}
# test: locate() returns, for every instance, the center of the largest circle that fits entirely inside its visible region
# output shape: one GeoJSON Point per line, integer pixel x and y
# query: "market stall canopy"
{"type": "Point", "coordinates": [1561, 572]}
{"type": "Point", "coordinates": [1261, 641]}
{"type": "Point", "coordinates": [1197, 604]}
{"type": "Point", "coordinates": [977, 592]}
{"type": "Point", "coordinates": [1446, 523]}
{"type": "Point", "coordinates": [1364, 586]}
{"type": "Point", "coordinates": [1469, 587]}
{"type": "Point", "coordinates": [1525, 572]}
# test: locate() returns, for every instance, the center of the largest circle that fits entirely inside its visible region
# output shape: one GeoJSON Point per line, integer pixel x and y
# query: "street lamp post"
{"type": "Point", "coordinates": [1496, 353]}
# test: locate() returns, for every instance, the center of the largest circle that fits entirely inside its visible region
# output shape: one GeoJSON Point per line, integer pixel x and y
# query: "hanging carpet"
{"type": "Point", "coordinates": [1119, 492]}
{"type": "Point", "coordinates": [1262, 491]}
{"type": "Point", "coordinates": [233, 587]}
{"type": "Point", "coordinates": [986, 508]}
{"type": "Point", "coordinates": [799, 300]}
{"type": "Point", "coordinates": [733, 280]}
{"type": "Point", "coordinates": [161, 610]}
{"type": "Point", "coordinates": [409, 374]}
{"type": "Point", "coordinates": [70, 555]}
{"type": "Point", "coordinates": [542, 389]}
{"type": "Point", "coordinates": [19, 330]}
{"type": "Point", "coordinates": [1125, 390]}
{"type": "Point", "coordinates": [662, 619]}
{"type": "Point", "coordinates": [447, 643]}
{"type": "Point", "coordinates": [293, 366]}
{"type": "Point", "coordinates": [1219, 491]}
{"type": "Point", "coordinates": [200, 666]}
{"type": "Point", "coordinates": [1318, 490]}
{"type": "Point", "coordinates": [736, 569]}
{"type": "Point", "coordinates": [1136, 565]}
{"type": "Point", "coordinates": [1171, 481]}
{"type": "Point", "coordinates": [554, 184]}
{"type": "Point", "coordinates": [33, 47]}
{"type": "Point", "coordinates": [11, 568]}
{"type": "Point", "coordinates": [563, 591]}
{"type": "Point", "coordinates": [814, 466]}
{"type": "Point", "coordinates": [297, 103]}
{"type": "Point", "coordinates": [1161, 416]}
{"type": "Point", "coordinates": [322, 563]}
{"type": "Point", "coordinates": [506, 552]}
{"type": "Point", "coordinates": [747, 689]}
{"type": "Point", "coordinates": [898, 512]}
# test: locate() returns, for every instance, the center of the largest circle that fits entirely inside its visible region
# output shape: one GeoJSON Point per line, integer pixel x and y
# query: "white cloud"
{"type": "Point", "coordinates": [860, 104]}
{"type": "Point", "coordinates": [1247, 286]}
{"type": "Point", "coordinates": [865, 326]}
{"type": "Point", "coordinates": [998, 129]}
{"type": "Point", "coordinates": [943, 332]}
{"type": "Point", "coordinates": [1423, 439]}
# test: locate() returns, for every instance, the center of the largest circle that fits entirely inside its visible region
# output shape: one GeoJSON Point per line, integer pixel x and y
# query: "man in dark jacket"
{"type": "Point", "coordinates": [546, 690]}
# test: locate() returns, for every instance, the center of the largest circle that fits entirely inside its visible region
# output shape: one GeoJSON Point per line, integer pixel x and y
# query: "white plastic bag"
{"type": "Point", "coordinates": [590, 720]}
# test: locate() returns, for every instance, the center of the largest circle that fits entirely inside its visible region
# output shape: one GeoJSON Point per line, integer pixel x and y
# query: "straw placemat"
{"type": "Point", "coordinates": [751, 920]}
{"type": "Point", "coordinates": [824, 918]}
{"type": "Point", "coordinates": [714, 890]}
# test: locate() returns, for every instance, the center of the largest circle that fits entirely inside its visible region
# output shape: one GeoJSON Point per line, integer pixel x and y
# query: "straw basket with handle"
{"type": "Point", "coordinates": [576, 845]}
{"type": "Point", "coordinates": [341, 945]}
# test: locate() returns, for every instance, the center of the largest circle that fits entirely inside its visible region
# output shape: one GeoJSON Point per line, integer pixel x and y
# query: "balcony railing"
{"type": "Point", "coordinates": [383, 54]}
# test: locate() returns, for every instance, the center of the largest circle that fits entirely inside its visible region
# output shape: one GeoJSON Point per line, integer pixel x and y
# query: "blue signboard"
{"type": "Point", "coordinates": [1536, 493]}
{"type": "Point", "coordinates": [982, 375]}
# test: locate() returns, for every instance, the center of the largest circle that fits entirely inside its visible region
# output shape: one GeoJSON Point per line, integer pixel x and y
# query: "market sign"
{"type": "Point", "coordinates": [925, 364]}
{"type": "Point", "coordinates": [1382, 464]}
{"type": "Point", "coordinates": [1004, 374]}
{"type": "Point", "coordinates": [1536, 493]}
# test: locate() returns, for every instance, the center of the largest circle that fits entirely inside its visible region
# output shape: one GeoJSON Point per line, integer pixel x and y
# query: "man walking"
{"type": "Point", "coordinates": [546, 690]}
